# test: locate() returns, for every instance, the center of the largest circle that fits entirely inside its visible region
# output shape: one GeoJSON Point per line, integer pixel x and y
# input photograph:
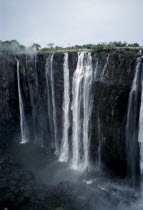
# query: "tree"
{"type": "Point", "coordinates": [22, 47]}
{"type": "Point", "coordinates": [134, 45]}
{"type": "Point", "coordinates": [11, 46]}
{"type": "Point", "coordinates": [35, 46]}
{"type": "Point", "coordinates": [58, 48]}
{"type": "Point", "coordinates": [50, 45]}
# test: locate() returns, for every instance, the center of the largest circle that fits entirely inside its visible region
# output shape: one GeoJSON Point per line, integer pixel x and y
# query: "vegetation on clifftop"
{"type": "Point", "coordinates": [13, 46]}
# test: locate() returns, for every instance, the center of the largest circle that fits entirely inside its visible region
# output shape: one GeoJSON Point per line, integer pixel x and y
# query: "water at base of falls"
{"type": "Point", "coordinates": [23, 126]}
{"type": "Point", "coordinates": [70, 189]}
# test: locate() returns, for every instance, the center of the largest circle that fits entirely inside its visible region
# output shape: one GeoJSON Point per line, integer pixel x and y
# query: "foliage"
{"type": "Point", "coordinates": [35, 47]}
{"type": "Point", "coordinates": [50, 45]}
{"type": "Point", "coordinates": [45, 49]}
{"type": "Point", "coordinates": [133, 45]}
{"type": "Point", "coordinates": [13, 46]}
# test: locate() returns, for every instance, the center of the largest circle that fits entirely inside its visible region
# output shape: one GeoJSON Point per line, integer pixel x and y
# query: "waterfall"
{"type": "Point", "coordinates": [51, 100]}
{"type": "Point", "coordinates": [23, 126]}
{"type": "Point", "coordinates": [81, 87]}
{"type": "Point", "coordinates": [76, 103]}
{"type": "Point", "coordinates": [99, 143]}
{"type": "Point", "coordinates": [87, 106]}
{"type": "Point", "coordinates": [132, 126]}
{"type": "Point", "coordinates": [64, 152]}
{"type": "Point", "coordinates": [37, 108]}
{"type": "Point", "coordinates": [140, 135]}
{"type": "Point", "coordinates": [104, 68]}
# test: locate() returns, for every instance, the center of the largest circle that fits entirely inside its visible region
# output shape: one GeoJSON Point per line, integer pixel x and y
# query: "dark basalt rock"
{"type": "Point", "coordinates": [9, 107]}
{"type": "Point", "coordinates": [110, 100]}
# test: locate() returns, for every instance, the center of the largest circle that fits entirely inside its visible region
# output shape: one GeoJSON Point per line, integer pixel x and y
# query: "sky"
{"type": "Point", "coordinates": [70, 22]}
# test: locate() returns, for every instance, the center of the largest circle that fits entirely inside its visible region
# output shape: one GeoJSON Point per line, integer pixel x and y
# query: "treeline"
{"type": "Point", "coordinates": [13, 46]}
{"type": "Point", "coordinates": [109, 45]}
{"type": "Point", "coordinates": [100, 46]}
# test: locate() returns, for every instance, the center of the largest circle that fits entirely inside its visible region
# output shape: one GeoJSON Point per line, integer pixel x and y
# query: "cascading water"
{"type": "Point", "coordinates": [105, 68]}
{"type": "Point", "coordinates": [64, 152]}
{"type": "Point", "coordinates": [76, 106]}
{"type": "Point", "coordinates": [132, 126]}
{"type": "Point", "coordinates": [48, 86]}
{"type": "Point", "coordinates": [51, 101]}
{"type": "Point", "coordinates": [87, 106]}
{"type": "Point", "coordinates": [81, 87]}
{"type": "Point", "coordinates": [140, 135]}
{"type": "Point", "coordinates": [99, 143]}
{"type": "Point", "coordinates": [23, 126]}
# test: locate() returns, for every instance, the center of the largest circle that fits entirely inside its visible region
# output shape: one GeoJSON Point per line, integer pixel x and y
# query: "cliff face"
{"type": "Point", "coordinates": [113, 75]}
{"type": "Point", "coordinates": [111, 95]}
{"type": "Point", "coordinates": [9, 107]}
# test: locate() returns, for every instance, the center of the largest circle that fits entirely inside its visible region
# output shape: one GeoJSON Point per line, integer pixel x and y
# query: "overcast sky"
{"type": "Point", "coordinates": [71, 21]}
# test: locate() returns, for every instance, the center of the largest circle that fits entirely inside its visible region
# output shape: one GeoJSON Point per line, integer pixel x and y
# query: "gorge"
{"type": "Point", "coordinates": [84, 108]}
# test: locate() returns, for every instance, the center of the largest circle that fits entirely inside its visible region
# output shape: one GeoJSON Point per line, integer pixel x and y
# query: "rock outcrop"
{"type": "Point", "coordinates": [110, 92]}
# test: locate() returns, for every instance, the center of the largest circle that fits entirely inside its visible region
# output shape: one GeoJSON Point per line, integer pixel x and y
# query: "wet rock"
{"type": "Point", "coordinates": [110, 101]}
